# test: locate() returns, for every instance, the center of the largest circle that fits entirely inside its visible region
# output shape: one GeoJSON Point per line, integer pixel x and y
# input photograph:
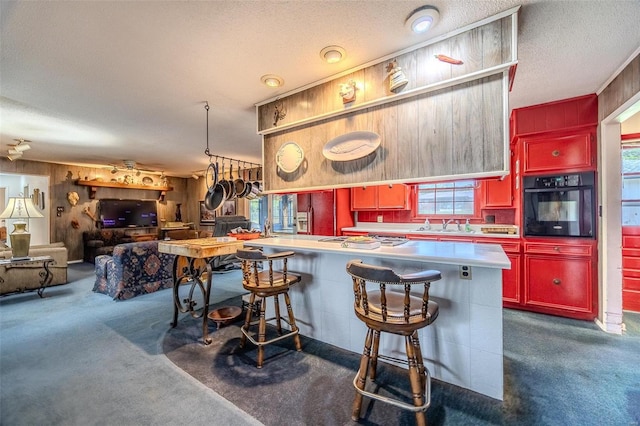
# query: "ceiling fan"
{"type": "Point", "coordinates": [132, 166]}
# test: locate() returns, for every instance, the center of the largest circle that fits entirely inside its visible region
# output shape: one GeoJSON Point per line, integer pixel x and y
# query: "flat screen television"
{"type": "Point", "coordinates": [128, 213]}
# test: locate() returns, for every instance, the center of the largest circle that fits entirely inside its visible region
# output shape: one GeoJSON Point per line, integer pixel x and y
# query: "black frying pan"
{"type": "Point", "coordinates": [227, 184]}
{"type": "Point", "coordinates": [239, 184]}
{"type": "Point", "coordinates": [216, 194]}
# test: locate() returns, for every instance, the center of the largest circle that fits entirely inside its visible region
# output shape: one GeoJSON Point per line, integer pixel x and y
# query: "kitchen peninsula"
{"type": "Point", "coordinates": [464, 345]}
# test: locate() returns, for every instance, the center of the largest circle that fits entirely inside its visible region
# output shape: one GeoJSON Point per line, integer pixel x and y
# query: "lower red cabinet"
{"type": "Point", "coordinates": [511, 278]}
{"type": "Point", "coordinates": [560, 278]}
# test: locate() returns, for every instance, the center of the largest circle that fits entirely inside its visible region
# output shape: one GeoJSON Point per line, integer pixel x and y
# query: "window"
{"type": "Point", "coordinates": [446, 198]}
{"type": "Point", "coordinates": [258, 212]}
{"type": "Point", "coordinates": [631, 185]}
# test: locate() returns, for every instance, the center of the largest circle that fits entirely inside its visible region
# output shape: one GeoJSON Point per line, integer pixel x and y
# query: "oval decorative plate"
{"type": "Point", "coordinates": [351, 146]}
{"type": "Point", "coordinates": [147, 180]}
{"type": "Point", "coordinates": [289, 157]}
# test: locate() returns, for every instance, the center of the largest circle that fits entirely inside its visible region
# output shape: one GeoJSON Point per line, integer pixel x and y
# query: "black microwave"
{"type": "Point", "coordinates": [559, 205]}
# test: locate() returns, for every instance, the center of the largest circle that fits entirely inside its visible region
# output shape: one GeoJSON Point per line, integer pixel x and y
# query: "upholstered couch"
{"type": "Point", "coordinates": [133, 269]}
{"type": "Point", "coordinates": [27, 277]}
{"type": "Point", "coordinates": [101, 242]}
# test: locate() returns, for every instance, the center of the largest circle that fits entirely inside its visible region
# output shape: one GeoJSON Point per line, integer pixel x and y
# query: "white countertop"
{"type": "Point", "coordinates": [436, 230]}
{"type": "Point", "coordinates": [455, 253]}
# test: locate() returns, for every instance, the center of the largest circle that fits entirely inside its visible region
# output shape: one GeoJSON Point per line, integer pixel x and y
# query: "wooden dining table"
{"type": "Point", "coordinates": [192, 267]}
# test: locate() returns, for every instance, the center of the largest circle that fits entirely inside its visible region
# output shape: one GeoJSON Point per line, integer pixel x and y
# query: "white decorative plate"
{"type": "Point", "coordinates": [289, 157]}
{"type": "Point", "coordinates": [351, 146]}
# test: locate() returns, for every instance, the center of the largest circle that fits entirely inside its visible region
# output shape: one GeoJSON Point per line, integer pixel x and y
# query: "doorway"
{"type": "Point", "coordinates": [17, 184]}
{"type": "Point", "coordinates": [610, 317]}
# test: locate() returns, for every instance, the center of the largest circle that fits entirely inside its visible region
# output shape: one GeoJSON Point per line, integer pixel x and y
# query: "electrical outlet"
{"type": "Point", "coordinates": [379, 218]}
{"type": "Point", "coordinates": [465, 272]}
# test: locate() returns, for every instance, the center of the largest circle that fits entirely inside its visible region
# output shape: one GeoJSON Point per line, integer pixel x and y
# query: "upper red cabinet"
{"type": "Point", "coordinates": [498, 192]}
{"type": "Point", "coordinates": [557, 136]}
{"type": "Point", "coordinates": [560, 153]}
{"type": "Point", "coordinates": [383, 197]}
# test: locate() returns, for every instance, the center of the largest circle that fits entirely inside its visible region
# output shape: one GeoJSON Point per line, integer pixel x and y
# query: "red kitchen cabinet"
{"type": "Point", "coordinates": [383, 197]}
{"type": "Point", "coordinates": [631, 268]}
{"type": "Point", "coordinates": [566, 153]}
{"type": "Point", "coordinates": [364, 198]}
{"type": "Point", "coordinates": [498, 192]}
{"type": "Point", "coordinates": [559, 278]}
{"type": "Point", "coordinates": [511, 278]}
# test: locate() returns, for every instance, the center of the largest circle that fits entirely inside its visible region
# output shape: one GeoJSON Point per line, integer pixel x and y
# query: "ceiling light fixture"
{"type": "Point", "coordinates": [16, 151]}
{"type": "Point", "coordinates": [22, 147]}
{"type": "Point", "coordinates": [14, 157]}
{"type": "Point", "coordinates": [422, 19]}
{"type": "Point", "coordinates": [333, 54]}
{"type": "Point", "coordinates": [272, 80]}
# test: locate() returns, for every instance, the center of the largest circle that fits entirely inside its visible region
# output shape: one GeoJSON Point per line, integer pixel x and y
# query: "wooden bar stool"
{"type": "Point", "coordinates": [387, 310]}
{"type": "Point", "coordinates": [264, 284]}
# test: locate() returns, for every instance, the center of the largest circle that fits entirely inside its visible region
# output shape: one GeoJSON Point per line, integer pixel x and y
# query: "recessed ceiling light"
{"type": "Point", "coordinates": [272, 80]}
{"type": "Point", "coordinates": [333, 54]}
{"type": "Point", "coordinates": [422, 19]}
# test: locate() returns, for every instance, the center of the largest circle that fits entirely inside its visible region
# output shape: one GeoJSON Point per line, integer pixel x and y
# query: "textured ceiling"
{"type": "Point", "coordinates": [95, 83]}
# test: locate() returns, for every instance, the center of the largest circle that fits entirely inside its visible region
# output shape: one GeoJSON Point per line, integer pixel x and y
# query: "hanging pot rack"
{"type": "Point", "coordinates": [223, 158]}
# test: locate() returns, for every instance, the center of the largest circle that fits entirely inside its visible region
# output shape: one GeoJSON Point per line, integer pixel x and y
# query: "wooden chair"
{"type": "Point", "coordinates": [264, 284]}
{"type": "Point", "coordinates": [384, 309]}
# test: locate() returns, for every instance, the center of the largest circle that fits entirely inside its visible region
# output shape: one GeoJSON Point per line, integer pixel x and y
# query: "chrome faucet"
{"type": "Point", "coordinates": [445, 223]}
{"type": "Point", "coordinates": [427, 224]}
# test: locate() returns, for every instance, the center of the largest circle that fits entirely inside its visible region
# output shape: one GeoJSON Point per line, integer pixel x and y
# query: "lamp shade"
{"type": "Point", "coordinates": [20, 208]}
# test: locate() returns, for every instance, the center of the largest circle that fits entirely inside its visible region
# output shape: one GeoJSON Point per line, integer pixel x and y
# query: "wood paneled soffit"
{"type": "Point", "coordinates": [450, 119]}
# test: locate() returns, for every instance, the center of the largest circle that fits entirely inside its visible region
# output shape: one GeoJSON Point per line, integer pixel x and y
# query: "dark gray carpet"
{"type": "Point", "coordinates": [557, 371]}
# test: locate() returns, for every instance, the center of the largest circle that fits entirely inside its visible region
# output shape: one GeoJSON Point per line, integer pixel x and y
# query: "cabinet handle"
{"type": "Point", "coordinates": [555, 153]}
{"type": "Point", "coordinates": [557, 281]}
{"type": "Point", "coordinates": [556, 248]}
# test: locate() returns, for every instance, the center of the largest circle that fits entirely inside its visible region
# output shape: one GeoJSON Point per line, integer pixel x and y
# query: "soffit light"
{"type": "Point", "coordinates": [272, 80]}
{"type": "Point", "coordinates": [422, 19]}
{"type": "Point", "coordinates": [333, 54]}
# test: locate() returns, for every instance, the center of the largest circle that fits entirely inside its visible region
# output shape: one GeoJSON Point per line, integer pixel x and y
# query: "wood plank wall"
{"type": "Point", "coordinates": [620, 90]}
{"type": "Point", "coordinates": [452, 131]}
{"type": "Point", "coordinates": [62, 180]}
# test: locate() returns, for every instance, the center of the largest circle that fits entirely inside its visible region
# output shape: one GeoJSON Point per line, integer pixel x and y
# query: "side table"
{"type": "Point", "coordinates": [46, 274]}
{"type": "Point", "coordinates": [192, 266]}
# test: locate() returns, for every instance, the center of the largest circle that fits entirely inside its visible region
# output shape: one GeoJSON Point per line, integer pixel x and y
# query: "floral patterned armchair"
{"type": "Point", "coordinates": [132, 270]}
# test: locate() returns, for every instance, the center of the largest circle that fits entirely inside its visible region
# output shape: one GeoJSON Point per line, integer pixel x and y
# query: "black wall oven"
{"type": "Point", "coordinates": [560, 205]}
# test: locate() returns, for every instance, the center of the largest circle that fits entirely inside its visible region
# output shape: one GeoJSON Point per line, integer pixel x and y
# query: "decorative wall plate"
{"type": "Point", "coordinates": [147, 180]}
{"type": "Point", "coordinates": [351, 146]}
{"type": "Point", "coordinates": [289, 157]}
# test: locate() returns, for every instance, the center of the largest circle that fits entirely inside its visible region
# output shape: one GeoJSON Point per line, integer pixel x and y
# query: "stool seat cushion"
{"type": "Point", "coordinates": [278, 279]}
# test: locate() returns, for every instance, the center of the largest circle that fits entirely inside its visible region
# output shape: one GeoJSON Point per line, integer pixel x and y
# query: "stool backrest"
{"type": "Point", "coordinates": [413, 308]}
{"type": "Point", "coordinates": [251, 261]}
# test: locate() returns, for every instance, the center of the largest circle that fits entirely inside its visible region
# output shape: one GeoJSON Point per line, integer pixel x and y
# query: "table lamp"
{"type": "Point", "coordinates": [21, 208]}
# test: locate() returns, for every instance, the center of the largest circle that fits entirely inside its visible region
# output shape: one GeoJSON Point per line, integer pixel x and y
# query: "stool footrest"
{"type": "Point", "coordinates": [396, 402]}
{"type": "Point", "coordinates": [272, 340]}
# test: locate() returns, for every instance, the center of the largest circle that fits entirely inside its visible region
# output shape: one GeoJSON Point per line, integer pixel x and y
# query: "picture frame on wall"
{"type": "Point", "coordinates": [228, 208]}
{"type": "Point", "coordinates": [207, 217]}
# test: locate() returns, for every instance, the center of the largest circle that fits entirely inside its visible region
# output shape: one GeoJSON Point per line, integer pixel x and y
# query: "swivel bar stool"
{"type": "Point", "coordinates": [264, 284]}
{"type": "Point", "coordinates": [399, 312]}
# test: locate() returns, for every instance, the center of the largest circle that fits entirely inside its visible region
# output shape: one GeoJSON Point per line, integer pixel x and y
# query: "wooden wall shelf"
{"type": "Point", "coordinates": [95, 184]}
